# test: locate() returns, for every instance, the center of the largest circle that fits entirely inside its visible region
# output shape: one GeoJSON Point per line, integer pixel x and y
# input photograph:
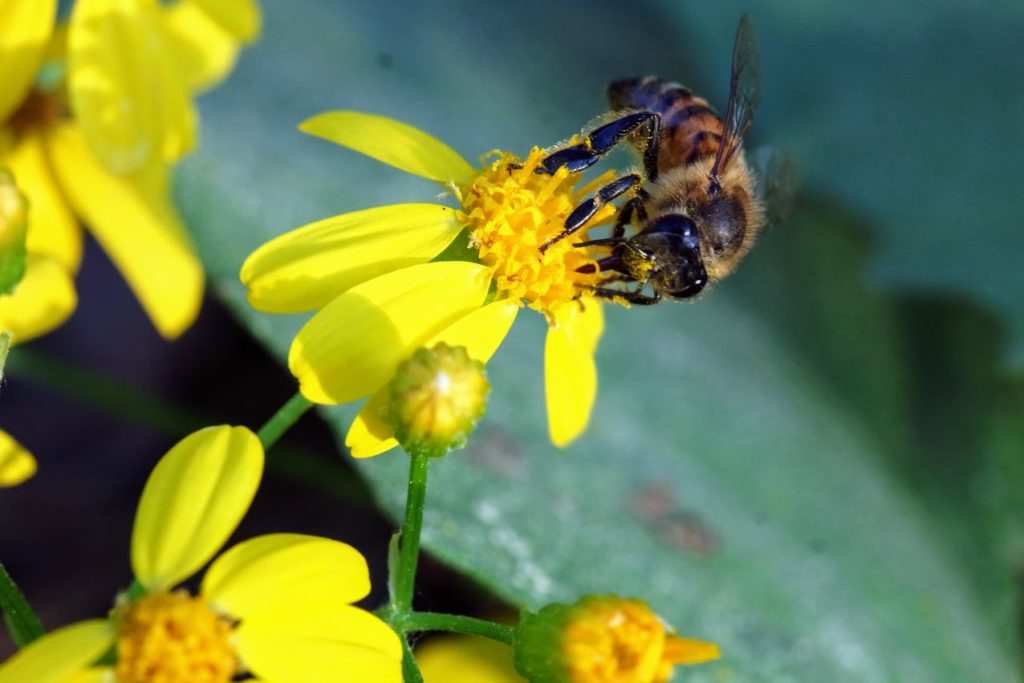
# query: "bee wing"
{"type": "Point", "coordinates": [744, 96]}
{"type": "Point", "coordinates": [776, 183]}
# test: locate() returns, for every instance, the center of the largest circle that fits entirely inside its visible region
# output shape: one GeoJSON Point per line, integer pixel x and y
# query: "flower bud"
{"type": "Point", "coordinates": [436, 398]}
{"type": "Point", "coordinates": [13, 229]}
{"type": "Point", "coordinates": [602, 639]}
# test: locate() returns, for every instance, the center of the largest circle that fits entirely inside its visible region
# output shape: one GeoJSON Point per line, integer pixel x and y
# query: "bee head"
{"type": "Point", "coordinates": [667, 254]}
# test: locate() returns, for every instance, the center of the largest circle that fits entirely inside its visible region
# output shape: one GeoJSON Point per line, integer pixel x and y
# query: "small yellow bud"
{"type": "Point", "coordinates": [602, 639]}
{"type": "Point", "coordinates": [436, 398]}
{"type": "Point", "coordinates": [13, 229]}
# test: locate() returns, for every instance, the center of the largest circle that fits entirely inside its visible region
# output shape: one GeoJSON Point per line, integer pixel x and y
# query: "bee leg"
{"type": "Point", "coordinates": [625, 217]}
{"type": "Point", "coordinates": [601, 140]}
{"type": "Point", "coordinates": [634, 297]}
{"type": "Point", "coordinates": [585, 211]}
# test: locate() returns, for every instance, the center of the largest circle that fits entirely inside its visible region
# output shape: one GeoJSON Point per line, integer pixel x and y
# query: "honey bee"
{"type": "Point", "coordinates": [698, 207]}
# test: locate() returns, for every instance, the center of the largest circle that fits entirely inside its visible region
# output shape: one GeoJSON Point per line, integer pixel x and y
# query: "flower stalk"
{"type": "Point", "coordinates": [281, 421]}
{"type": "Point", "coordinates": [456, 623]}
{"type": "Point", "coordinates": [412, 525]}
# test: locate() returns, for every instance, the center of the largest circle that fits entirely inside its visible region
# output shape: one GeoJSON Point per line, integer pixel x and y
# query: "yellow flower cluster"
{"type": "Point", "coordinates": [93, 114]}
{"type": "Point", "coordinates": [278, 606]}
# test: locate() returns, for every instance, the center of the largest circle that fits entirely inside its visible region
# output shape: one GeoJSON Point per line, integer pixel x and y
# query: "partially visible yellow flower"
{"type": "Point", "coordinates": [465, 659]}
{"type": "Point", "coordinates": [13, 233]}
{"type": "Point", "coordinates": [277, 606]}
{"type": "Point", "coordinates": [91, 118]}
{"type": "Point", "coordinates": [383, 286]}
{"type": "Point", "coordinates": [38, 293]}
{"type": "Point", "coordinates": [602, 639]}
{"type": "Point", "coordinates": [16, 463]}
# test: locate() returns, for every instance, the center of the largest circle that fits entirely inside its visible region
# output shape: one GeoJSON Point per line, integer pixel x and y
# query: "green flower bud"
{"type": "Point", "coordinates": [436, 398]}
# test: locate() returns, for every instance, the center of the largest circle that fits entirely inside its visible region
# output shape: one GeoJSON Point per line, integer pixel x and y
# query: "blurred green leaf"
{"type": "Point", "coordinates": [776, 467]}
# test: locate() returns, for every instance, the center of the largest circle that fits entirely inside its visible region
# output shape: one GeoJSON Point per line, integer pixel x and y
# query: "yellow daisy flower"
{"type": "Point", "coordinates": [276, 606]}
{"type": "Point", "coordinates": [91, 117]}
{"type": "Point", "coordinates": [16, 463]}
{"type": "Point", "coordinates": [382, 287]}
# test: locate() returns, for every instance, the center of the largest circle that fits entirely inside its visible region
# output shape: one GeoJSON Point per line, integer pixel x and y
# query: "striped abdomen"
{"type": "Point", "coordinates": [690, 128]}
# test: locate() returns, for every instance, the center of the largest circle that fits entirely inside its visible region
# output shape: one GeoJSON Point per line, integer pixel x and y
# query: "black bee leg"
{"type": "Point", "coordinates": [625, 217]}
{"type": "Point", "coordinates": [603, 138]}
{"type": "Point", "coordinates": [634, 297]}
{"type": "Point", "coordinates": [585, 211]}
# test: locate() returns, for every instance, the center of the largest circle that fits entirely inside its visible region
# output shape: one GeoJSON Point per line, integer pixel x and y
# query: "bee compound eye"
{"type": "Point", "coordinates": [689, 282]}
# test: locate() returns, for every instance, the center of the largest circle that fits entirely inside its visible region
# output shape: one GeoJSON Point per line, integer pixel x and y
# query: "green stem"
{"type": "Point", "coordinates": [411, 526]}
{"type": "Point", "coordinates": [282, 420]}
{"type": "Point", "coordinates": [454, 623]}
{"type": "Point", "coordinates": [410, 672]}
{"type": "Point", "coordinates": [21, 619]}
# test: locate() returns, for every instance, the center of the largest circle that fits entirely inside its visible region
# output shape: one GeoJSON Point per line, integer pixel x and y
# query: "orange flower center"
{"type": "Point", "coordinates": [512, 211]}
{"type": "Point", "coordinates": [173, 638]}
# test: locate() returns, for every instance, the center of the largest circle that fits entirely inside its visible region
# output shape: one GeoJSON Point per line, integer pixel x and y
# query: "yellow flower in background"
{"type": "Point", "coordinates": [16, 463]}
{"type": "Point", "coordinates": [37, 292]}
{"type": "Point", "coordinates": [464, 659]}
{"type": "Point", "coordinates": [379, 293]}
{"type": "Point", "coordinates": [277, 606]}
{"type": "Point", "coordinates": [92, 115]}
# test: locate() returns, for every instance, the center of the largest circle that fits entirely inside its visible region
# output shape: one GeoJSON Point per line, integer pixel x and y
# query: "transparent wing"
{"type": "Point", "coordinates": [777, 183]}
{"type": "Point", "coordinates": [744, 96]}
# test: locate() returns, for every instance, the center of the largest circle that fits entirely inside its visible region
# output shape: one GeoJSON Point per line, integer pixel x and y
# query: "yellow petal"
{"type": "Point", "coordinates": [273, 574]}
{"type": "Point", "coordinates": [371, 434]}
{"type": "Point", "coordinates": [336, 644]}
{"type": "Point", "coordinates": [481, 332]}
{"type": "Point", "coordinates": [61, 655]}
{"type": "Point", "coordinates": [98, 674]}
{"type": "Point", "coordinates": [141, 232]}
{"type": "Point", "coordinates": [53, 230]}
{"type": "Point", "coordinates": [126, 88]}
{"type": "Point", "coordinates": [304, 269]}
{"type": "Point", "coordinates": [205, 52]}
{"type": "Point", "coordinates": [16, 463]}
{"type": "Point", "coordinates": [25, 28]}
{"type": "Point", "coordinates": [41, 302]}
{"type": "Point", "coordinates": [570, 376]}
{"type": "Point", "coordinates": [392, 142]}
{"type": "Point", "coordinates": [194, 499]}
{"type": "Point", "coordinates": [460, 659]}
{"type": "Point", "coordinates": [240, 18]}
{"type": "Point", "coordinates": [689, 651]}
{"type": "Point", "coordinates": [351, 347]}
